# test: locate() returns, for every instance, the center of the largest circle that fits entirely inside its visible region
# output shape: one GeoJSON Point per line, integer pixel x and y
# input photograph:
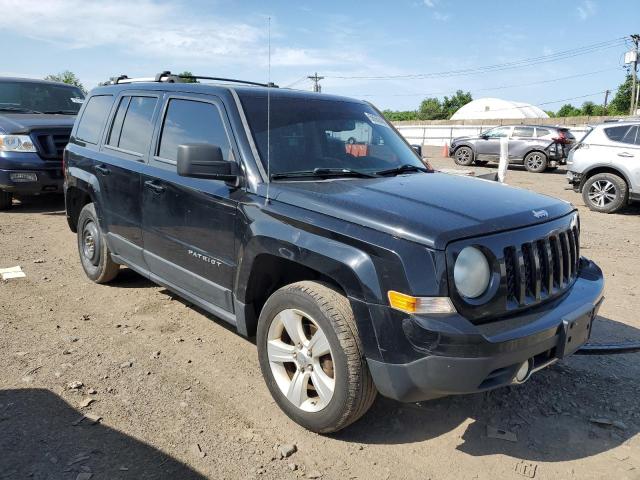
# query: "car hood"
{"type": "Point", "coordinates": [25, 122]}
{"type": "Point", "coordinates": [432, 209]}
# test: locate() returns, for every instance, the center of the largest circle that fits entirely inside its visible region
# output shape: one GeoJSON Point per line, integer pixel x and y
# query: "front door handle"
{"type": "Point", "coordinates": [102, 170]}
{"type": "Point", "coordinates": [625, 155]}
{"type": "Point", "coordinates": [154, 187]}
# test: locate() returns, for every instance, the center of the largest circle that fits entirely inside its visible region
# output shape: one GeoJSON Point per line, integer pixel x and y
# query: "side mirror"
{"type": "Point", "coordinates": [484, 137]}
{"type": "Point", "coordinates": [417, 149]}
{"type": "Point", "coordinates": [203, 160]}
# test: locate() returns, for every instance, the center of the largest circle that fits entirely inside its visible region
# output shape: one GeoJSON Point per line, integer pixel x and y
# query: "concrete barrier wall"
{"type": "Point", "coordinates": [439, 132]}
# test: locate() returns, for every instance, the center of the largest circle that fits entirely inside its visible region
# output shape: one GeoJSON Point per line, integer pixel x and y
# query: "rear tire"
{"type": "Point", "coordinates": [463, 156]}
{"type": "Point", "coordinates": [535, 162]}
{"type": "Point", "coordinates": [6, 200]}
{"type": "Point", "coordinates": [605, 193]}
{"type": "Point", "coordinates": [92, 247]}
{"type": "Point", "coordinates": [323, 385]}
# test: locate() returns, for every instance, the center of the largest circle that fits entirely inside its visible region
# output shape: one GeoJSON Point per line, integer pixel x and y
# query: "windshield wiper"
{"type": "Point", "coordinates": [62, 112]}
{"type": "Point", "coordinates": [406, 168]}
{"type": "Point", "coordinates": [18, 110]}
{"type": "Point", "coordinates": [323, 173]}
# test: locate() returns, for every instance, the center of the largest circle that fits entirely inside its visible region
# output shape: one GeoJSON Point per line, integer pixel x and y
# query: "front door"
{"type": "Point", "coordinates": [189, 223]}
{"type": "Point", "coordinates": [118, 169]}
{"type": "Point", "coordinates": [488, 146]}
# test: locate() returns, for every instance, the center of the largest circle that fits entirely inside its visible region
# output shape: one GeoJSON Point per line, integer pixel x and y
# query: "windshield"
{"type": "Point", "coordinates": [40, 97]}
{"type": "Point", "coordinates": [308, 134]}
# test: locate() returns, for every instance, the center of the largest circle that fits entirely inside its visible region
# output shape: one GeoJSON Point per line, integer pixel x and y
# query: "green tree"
{"type": "Point", "coordinates": [399, 116]}
{"type": "Point", "coordinates": [67, 77]}
{"type": "Point", "coordinates": [187, 73]}
{"type": "Point", "coordinates": [451, 105]}
{"type": "Point", "coordinates": [622, 101]}
{"type": "Point", "coordinates": [568, 110]}
{"type": "Point", "coordinates": [551, 113]}
{"type": "Point", "coordinates": [430, 109]}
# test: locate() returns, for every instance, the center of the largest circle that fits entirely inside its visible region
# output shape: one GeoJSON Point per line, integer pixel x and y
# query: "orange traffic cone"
{"type": "Point", "coordinates": [445, 150]}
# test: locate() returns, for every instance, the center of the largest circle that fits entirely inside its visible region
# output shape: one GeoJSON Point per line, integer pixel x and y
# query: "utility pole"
{"type": "Point", "coordinates": [634, 67]}
{"type": "Point", "coordinates": [606, 98]}
{"type": "Point", "coordinates": [316, 82]}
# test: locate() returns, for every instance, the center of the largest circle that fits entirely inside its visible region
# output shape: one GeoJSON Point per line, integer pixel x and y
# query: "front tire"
{"type": "Point", "coordinates": [92, 247]}
{"type": "Point", "coordinates": [463, 156]}
{"type": "Point", "coordinates": [535, 162]}
{"type": "Point", "coordinates": [6, 200]}
{"type": "Point", "coordinates": [311, 357]}
{"type": "Point", "coordinates": [605, 193]}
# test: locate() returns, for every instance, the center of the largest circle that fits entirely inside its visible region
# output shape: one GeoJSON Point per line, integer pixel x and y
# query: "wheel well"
{"type": "Point", "coordinates": [598, 170]}
{"type": "Point", "coordinates": [75, 200]}
{"type": "Point", "coordinates": [269, 273]}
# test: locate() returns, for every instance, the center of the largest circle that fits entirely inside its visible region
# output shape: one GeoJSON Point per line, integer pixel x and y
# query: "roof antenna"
{"type": "Point", "coordinates": [268, 111]}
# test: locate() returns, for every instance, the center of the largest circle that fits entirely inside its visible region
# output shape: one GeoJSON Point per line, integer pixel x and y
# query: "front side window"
{"type": "Point", "coordinates": [93, 118]}
{"type": "Point", "coordinates": [498, 132]}
{"type": "Point", "coordinates": [189, 121]}
{"type": "Point", "coordinates": [133, 124]}
{"type": "Point", "coordinates": [25, 97]}
{"type": "Point", "coordinates": [317, 133]}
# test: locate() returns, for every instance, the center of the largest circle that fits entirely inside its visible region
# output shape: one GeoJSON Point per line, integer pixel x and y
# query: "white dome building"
{"type": "Point", "coordinates": [496, 108]}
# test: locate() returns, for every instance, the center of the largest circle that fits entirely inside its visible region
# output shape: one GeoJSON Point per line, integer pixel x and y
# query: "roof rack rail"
{"type": "Point", "coordinates": [167, 76]}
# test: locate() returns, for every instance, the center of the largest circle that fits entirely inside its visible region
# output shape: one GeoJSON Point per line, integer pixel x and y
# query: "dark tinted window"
{"type": "Point", "coordinates": [94, 118]}
{"type": "Point", "coordinates": [137, 126]}
{"type": "Point", "coordinates": [522, 132]}
{"type": "Point", "coordinates": [616, 133]}
{"type": "Point", "coordinates": [631, 136]}
{"type": "Point", "coordinates": [188, 121]}
{"type": "Point", "coordinates": [41, 97]}
{"type": "Point", "coordinates": [542, 132]}
{"type": "Point", "coordinates": [116, 128]}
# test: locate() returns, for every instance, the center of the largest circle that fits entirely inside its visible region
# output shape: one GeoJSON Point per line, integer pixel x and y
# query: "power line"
{"type": "Point", "coordinates": [316, 82]}
{"type": "Point", "coordinates": [502, 87]}
{"type": "Point", "coordinates": [526, 62]}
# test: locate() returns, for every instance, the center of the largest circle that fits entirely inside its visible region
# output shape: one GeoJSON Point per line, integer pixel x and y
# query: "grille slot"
{"type": "Point", "coordinates": [541, 269]}
{"type": "Point", "coordinates": [50, 144]}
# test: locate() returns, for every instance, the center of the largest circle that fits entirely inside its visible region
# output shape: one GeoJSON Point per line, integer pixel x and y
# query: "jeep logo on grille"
{"type": "Point", "coordinates": [540, 213]}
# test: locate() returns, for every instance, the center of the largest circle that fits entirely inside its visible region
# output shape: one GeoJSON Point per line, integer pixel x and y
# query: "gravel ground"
{"type": "Point", "coordinates": [127, 381]}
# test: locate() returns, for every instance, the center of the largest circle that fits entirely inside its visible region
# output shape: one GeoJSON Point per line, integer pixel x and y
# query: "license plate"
{"type": "Point", "coordinates": [575, 331]}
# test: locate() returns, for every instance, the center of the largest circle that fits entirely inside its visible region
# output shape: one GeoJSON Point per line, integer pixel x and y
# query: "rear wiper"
{"type": "Point", "coordinates": [407, 167]}
{"type": "Point", "coordinates": [18, 110]}
{"type": "Point", "coordinates": [323, 173]}
{"type": "Point", "coordinates": [63, 112]}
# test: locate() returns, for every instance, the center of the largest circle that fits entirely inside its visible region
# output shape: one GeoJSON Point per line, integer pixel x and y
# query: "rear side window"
{"type": "Point", "coordinates": [616, 133]}
{"type": "Point", "coordinates": [522, 132]}
{"type": "Point", "coordinates": [188, 121]}
{"type": "Point", "coordinates": [631, 136]}
{"type": "Point", "coordinates": [542, 132]}
{"type": "Point", "coordinates": [94, 118]}
{"type": "Point", "coordinates": [132, 125]}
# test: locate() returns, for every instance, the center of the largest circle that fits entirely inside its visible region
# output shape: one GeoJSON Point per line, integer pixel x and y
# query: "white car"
{"type": "Point", "coordinates": [605, 166]}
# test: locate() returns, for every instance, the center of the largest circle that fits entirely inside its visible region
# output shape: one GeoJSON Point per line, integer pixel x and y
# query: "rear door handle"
{"type": "Point", "coordinates": [625, 155]}
{"type": "Point", "coordinates": [102, 170]}
{"type": "Point", "coordinates": [154, 187]}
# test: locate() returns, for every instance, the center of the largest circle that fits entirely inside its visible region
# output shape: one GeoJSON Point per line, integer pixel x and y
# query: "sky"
{"type": "Point", "coordinates": [413, 41]}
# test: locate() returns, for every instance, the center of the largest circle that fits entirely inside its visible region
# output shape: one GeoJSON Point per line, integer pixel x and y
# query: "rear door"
{"type": "Point", "coordinates": [189, 223]}
{"type": "Point", "coordinates": [626, 151]}
{"type": "Point", "coordinates": [123, 157]}
{"type": "Point", "coordinates": [520, 142]}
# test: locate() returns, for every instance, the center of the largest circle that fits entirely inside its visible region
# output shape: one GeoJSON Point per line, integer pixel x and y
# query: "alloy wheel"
{"type": "Point", "coordinates": [301, 360]}
{"type": "Point", "coordinates": [535, 161]}
{"type": "Point", "coordinates": [602, 193]}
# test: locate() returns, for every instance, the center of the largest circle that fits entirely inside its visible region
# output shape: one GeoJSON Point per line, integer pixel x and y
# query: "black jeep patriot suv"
{"type": "Point", "coordinates": [359, 270]}
{"type": "Point", "coordinates": [36, 117]}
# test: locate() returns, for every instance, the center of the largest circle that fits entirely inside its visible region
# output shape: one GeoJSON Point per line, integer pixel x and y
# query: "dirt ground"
{"type": "Point", "coordinates": [179, 395]}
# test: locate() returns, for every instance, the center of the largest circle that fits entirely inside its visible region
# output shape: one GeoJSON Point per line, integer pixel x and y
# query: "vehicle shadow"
{"type": "Point", "coordinates": [49, 204]}
{"type": "Point", "coordinates": [41, 438]}
{"type": "Point", "coordinates": [565, 412]}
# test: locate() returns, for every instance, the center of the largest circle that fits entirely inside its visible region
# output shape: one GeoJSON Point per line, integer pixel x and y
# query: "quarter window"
{"type": "Point", "coordinates": [94, 118]}
{"type": "Point", "coordinates": [132, 126]}
{"type": "Point", "coordinates": [631, 136]}
{"type": "Point", "coordinates": [189, 121]}
{"type": "Point", "coordinates": [616, 133]}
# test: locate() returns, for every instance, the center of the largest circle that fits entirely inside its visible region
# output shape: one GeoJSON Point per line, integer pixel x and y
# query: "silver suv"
{"type": "Point", "coordinates": [537, 147]}
{"type": "Point", "coordinates": [605, 166]}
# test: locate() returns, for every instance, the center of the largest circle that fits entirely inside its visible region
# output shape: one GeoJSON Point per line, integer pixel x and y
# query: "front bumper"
{"type": "Point", "coordinates": [575, 180]}
{"type": "Point", "coordinates": [488, 356]}
{"type": "Point", "coordinates": [46, 181]}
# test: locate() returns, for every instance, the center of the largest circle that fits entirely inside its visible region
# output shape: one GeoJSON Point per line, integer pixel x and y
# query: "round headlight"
{"type": "Point", "coordinates": [471, 272]}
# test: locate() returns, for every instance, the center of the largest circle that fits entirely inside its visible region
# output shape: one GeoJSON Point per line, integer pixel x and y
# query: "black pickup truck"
{"type": "Point", "coordinates": [36, 117]}
{"type": "Point", "coordinates": [358, 270]}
